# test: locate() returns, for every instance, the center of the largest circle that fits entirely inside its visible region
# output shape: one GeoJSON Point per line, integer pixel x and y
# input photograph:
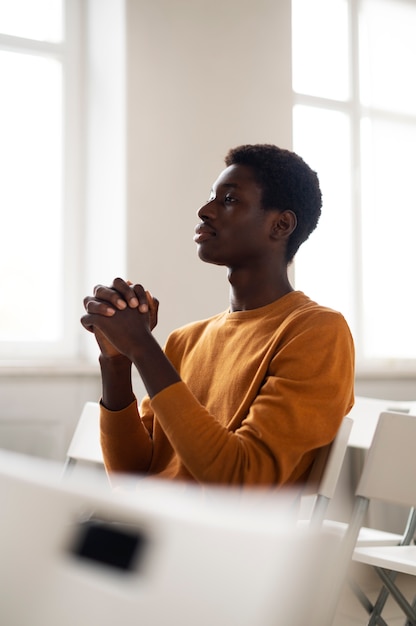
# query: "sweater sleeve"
{"type": "Point", "coordinates": [304, 396]}
{"type": "Point", "coordinates": [125, 440]}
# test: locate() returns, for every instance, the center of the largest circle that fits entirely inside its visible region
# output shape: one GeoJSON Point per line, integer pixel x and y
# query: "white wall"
{"type": "Point", "coordinates": [202, 76]}
{"type": "Point", "coordinates": [171, 85]}
{"type": "Point", "coordinates": [39, 408]}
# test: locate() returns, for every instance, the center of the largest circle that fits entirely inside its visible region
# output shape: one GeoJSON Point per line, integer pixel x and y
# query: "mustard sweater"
{"type": "Point", "coordinates": [260, 391]}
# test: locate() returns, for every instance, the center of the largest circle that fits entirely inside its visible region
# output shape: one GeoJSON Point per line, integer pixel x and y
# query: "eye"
{"type": "Point", "coordinates": [229, 199]}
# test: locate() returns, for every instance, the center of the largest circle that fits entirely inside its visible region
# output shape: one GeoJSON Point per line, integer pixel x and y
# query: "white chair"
{"type": "Point", "coordinates": [389, 476]}
{"type": "Point", "coordinates": [84, 448]}
{"type": "Point", "coordinates": [374, 609]}
{"type": "Point", "coordinates": [325, 473]}
{"type": "Point", "coordinates": [195, 556]}
{"type": "Point", "coordinates": [365, 415]}
{"type": "Point", "coordinates": [357, 430]}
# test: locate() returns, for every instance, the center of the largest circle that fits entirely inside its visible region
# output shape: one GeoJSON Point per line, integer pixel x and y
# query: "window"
{"type": "Point", "coordinates": [354, 122]}
{"type": "Point", "coordinates": [39, 206]}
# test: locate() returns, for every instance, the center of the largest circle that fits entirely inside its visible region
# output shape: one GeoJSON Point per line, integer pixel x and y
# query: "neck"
{"type": "Point", "coordinates": [248, 292]}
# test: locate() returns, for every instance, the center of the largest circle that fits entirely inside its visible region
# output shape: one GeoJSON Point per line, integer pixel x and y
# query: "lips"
{"type": "Point", "coordinates": [203, 232]}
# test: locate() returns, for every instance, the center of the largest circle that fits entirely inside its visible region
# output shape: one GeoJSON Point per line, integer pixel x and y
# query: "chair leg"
{"type": "Point", "coordinates": [378, 606]}
{"type": "Point", "coordinates": [408, 622]}
{"type": "Point", "coordinates": [375, 614]}
{"type": "Point", "coordinates": [406, 607]}
{"type": "Point", "coordinates": [374, 610]}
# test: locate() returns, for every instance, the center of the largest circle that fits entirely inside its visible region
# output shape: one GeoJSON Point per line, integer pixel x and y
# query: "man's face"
{"type": "Point", "coordinates": [234, 228]}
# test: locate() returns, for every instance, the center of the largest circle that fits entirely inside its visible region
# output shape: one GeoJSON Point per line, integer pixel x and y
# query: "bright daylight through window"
{"type": "Point", "coordinates": [355, 124]}
{"type": "Point", "coordinates": [33, 254]}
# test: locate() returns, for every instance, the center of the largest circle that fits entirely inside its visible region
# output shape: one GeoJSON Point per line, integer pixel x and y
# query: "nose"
{"type": "Point", "coordinates": [207, 210]}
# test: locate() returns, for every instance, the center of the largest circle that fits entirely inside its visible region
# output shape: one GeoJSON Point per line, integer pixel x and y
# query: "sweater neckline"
{"type": "Point", "coordinates": [260, 312]}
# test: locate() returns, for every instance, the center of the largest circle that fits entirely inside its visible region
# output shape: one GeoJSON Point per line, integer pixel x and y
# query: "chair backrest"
{"type": "Point", "coordinates": [85, 444]}
{"type": "Point", "coordinates": [365, 414]}
{"type": "Point", "coordinates": [166, 543]}
{"type": "Point", "coordinates": [326, 471]}
{"type": "Point", "coordinates": [389, 475]}
{"type": "Point", "coordinates": [390, 468]}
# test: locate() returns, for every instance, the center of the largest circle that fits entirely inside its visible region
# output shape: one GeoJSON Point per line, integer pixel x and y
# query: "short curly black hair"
{"type": "Point", "coordinates": [287, 183]}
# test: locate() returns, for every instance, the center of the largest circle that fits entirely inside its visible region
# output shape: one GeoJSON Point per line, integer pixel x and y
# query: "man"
{"type": "Point", "coordinates": [248, 396]}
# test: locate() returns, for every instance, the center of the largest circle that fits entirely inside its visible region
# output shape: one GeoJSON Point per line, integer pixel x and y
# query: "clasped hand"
{"type": "Point", "coordinates": [120, 316]}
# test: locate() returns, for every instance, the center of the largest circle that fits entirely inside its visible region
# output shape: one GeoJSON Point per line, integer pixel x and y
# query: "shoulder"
{"type": "Point", "coordinates": [315, 340]}
{"type": "Point", "coordinates": [306, 318]}
{"type": "Point", "coordinates": [302, 308]}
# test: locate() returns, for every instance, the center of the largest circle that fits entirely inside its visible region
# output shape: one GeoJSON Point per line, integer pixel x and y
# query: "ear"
{"type": "Point", "coordinates": [283, 224]}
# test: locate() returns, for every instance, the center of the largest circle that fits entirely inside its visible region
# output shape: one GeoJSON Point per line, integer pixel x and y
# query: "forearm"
{"type": "Point", "coordinates": [155, 369]}
{"type": "Point", "coordinates": [117, 389]}
{"type": "Point", "coordinates": [126, 443]}
{"type": "Point", "coordinates": [213, 452]}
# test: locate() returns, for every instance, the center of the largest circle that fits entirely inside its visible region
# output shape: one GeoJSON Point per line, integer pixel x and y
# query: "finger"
{"type": "Point", "coordinates": [132, 288]}
{"type": "Point", "coordinates": [126, 291]}
{"type": "Point", "coordinates": [110, 296]}
{"type": "Point", "coordinates": [142, 298]}
{"type": "Point", "coordinates": [153, 309]}
{"type": "Point", "coordinates": [153, 303]}
{"type": "Point", "coordinates": [92, 305]}
{"type": "Point", "coordinates": [149, 298]}
{"type": "Point", "coordinates": [87, 323]}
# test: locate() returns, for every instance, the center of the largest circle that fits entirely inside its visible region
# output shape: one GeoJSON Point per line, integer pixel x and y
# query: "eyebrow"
{"type": "Point", "coordinates": [227, 185]}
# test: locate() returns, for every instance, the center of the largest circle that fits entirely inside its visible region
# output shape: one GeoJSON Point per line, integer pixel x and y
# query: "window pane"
{"type": "Point", "coordinates": [320, 48]}
{"type": "Point", "coordinates": [389, 227]}
{"type": "Point", "coordinates": [324, 265]}
{"type": "Point", "coordinates": [30, 197]}
{"type": "Point", "coordinates": [388, 55]}
{"type": "Point", "coordinates": [34, 19]}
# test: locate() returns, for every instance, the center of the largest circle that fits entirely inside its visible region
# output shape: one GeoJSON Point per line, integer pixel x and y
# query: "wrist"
{"type": "Point", "coordinates": [141, 351]}
{"type": "Point", "coordinates": [117, 362]}
{"type": "Point", "coordinates": [117, 390]}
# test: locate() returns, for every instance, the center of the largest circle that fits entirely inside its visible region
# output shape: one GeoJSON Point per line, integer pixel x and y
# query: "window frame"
{"type": "Point", "coordinates": [356, 112]}
{"type": "Point", "coordinates": [69, 52]}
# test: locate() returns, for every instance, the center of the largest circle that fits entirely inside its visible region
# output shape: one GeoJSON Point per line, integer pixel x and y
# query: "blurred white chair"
{"type": "Point", "coordinates": [389, 476]}
{"type": "Point", "coordinates": [84, 448]}
{"type": "Point", "coordinates": [177, 555]}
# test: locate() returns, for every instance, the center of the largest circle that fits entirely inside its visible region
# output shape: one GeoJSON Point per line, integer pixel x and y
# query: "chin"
{"type": "Point", "coordinates": [209, 258]}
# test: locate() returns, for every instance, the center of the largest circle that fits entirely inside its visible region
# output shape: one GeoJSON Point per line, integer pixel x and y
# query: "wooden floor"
{"type": "Point", "coordinates": [351, 613]}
